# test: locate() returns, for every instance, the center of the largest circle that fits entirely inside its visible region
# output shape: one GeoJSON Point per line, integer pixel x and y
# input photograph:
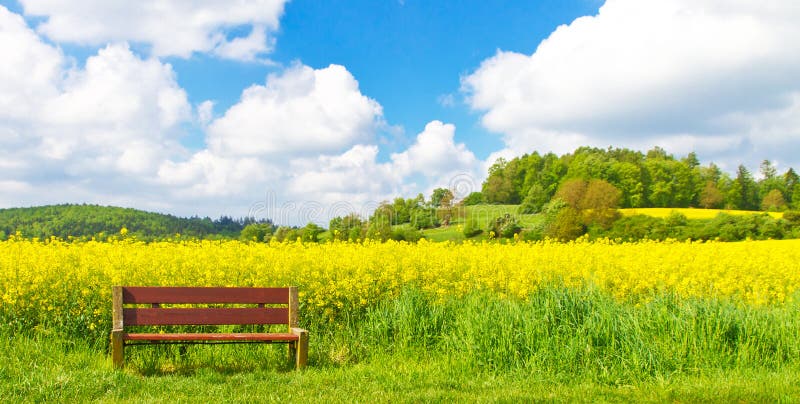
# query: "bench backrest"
{"type": "Point", "coordinates": [283, 306]}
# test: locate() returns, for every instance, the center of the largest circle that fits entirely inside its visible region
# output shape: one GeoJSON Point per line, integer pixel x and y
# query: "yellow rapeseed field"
{"type": "Point", "coordinates": [41, 280]}
{"type": "Point", "coordinates": [693, 213]}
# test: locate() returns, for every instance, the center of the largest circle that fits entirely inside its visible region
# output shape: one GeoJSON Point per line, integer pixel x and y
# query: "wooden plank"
{"type": "Point", "coordinates": [205, 316]}
{"type": "Point", "coordinates": [294, 306]}
{"type": "Point", "coordinates": [212, 337]}
{"type": "Point", "coordinates": [192, 295]}
{"type": "Point", "coordinates": [117, 349]}
{"type": "Point", "coordinates": [116, 309]}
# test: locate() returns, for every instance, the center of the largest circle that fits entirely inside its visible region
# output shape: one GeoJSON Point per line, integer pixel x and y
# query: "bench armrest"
{"type": "Point", "coordinates": [301, 347]}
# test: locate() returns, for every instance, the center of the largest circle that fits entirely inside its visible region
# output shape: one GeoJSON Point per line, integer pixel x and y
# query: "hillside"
{"type": "Point", "coordinates": [67, 220]}
{"type": "Point", "coordinates": [653, 223]}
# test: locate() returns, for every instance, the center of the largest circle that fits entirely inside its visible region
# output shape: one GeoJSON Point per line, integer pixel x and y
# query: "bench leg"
{"type": "Point", "coordinates": [117, 349]}
{"type": "Point", "coordinates": [292, 350]}
{"type": "Point", "coordinates": [302, 349]}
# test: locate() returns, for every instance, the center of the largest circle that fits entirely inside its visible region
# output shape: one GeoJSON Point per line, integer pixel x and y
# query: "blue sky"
{"type": "Point", "coordinates": [407, 55]}
{"type": "Point", "coordinates": [302, 110]}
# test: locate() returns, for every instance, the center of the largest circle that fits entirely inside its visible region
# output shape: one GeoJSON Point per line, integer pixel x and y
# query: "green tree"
{"type": "Point", "coordinates": [474, 198]}
{"type": "Point", "coordinates": [572, 192]}
{"type": "Point", "coordinates": [349, 227]}
{"type": "Point", "coordinates": [773, 201]}
{"type": "Point", "coordinates": [499, 186]}
{"type": "Point", "coordinates": [379, 228]}
{"type": "Point", "coordinates": [260, 232]}
{"type": "Point", "coordinates": [790, 181]}
{"type": "Point", "coordinates": [599, 203]}
{"type": "Point", "coordinates": [711, 197]}
{"type": "Point", "coordinates": [441, 197]}
{"type": "Point", "coordinates": [536, 199]}
{"type": "Point", "coordinates": [627, 177]}
{"type": "Point", "coordinates": [311, 232]}
{"type": "Point", "coordinates": [567, 224]}
{"type": "Point", "coordinates": [743, 193]}
{"type": "Point", "coordinates": [424, 218]}
{"type": "Point", "coordinates": [770, 180]}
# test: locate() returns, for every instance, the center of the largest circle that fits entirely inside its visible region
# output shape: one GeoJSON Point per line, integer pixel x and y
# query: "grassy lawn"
{"type": "Point", "coordinates": [562, 345]}
{"type": "Point", "coordinates": [52, 370]}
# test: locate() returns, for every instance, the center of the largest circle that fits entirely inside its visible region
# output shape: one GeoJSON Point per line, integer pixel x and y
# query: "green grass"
{"type": "Point", "coordinates": [62, 371]}
{"type": "Point", "coordinates": [558, 345]}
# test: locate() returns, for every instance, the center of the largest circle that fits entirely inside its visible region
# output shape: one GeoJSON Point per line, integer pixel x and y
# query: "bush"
{"type": "Point", "coordinates": [405, 233]}
{"type": "Point", "coordinates": [349, 227]}
{"type": "Point", "coordinates": [471, 227]}
{"type": "Point", "coordinates": [505, 226]}
{"type": "Point", "coordinates": [566, 225]}
{"type": "Point", "coordinates": [379, 229]}
{"type": "Point", "coordinates": [634, 228]}
{"type": "Point", "coordinates": [792, 217]}
{"type": "Point", "coordinates": [474, 198]}
{"type": "Point", "coordinates": [260, 232]}
{"type": "Point", "coordinates": [424, 218]}
{"type": "Point", "coordinates": [535, 200]}
{"type": "Point", "coordinates": [311, 232]}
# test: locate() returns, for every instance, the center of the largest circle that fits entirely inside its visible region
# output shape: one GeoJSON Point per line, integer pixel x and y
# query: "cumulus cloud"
{"type": "Point", "coordinates": [171, 28]}
{"type": "Point", "coordinates": [354, 175]}
{"type": "Point", "coordinates": [109, 132]}
{"type": "Point", "coordinates": [435, 153]}
{"type": "Point", "coordinates": [30, 71]}
{"type": "Point", "coordinates": [116, 117]}
{"type": "Point", "coordinates": [299, 111]}
{"type": "Point", "coordinates": [710, 73]}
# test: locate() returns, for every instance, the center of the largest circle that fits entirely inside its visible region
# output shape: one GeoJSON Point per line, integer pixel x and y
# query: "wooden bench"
{"type": "Point", "coordinates": [267, 306]}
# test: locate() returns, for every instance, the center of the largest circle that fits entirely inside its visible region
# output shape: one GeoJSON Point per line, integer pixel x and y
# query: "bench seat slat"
{"type": "Point", "coordinates": [194, 295]}
{"type": "Point", "coordinates": [212, 337]}
{"type": "Point", "coordinates": [205, 316]}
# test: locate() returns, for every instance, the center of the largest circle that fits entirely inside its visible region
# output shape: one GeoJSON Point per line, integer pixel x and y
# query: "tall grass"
{"type": "Point", "coordinates": [570, 333]}
{"type": "Point", "coordinates": [666, 349]}
{"type": "Point", "coordinates": [556, 333]}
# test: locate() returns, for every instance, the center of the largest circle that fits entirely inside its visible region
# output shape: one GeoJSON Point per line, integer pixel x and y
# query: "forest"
{"type": "Point", "coordinates": [652, 179]}
{"type": "Point", "coordinates": [537, 196]}
{"type": "Point", "coordinates": [82, 221]}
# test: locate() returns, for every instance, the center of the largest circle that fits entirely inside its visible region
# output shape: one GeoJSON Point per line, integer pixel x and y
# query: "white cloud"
{"type": "Point", "coordinates": [355, 175]}
{"type": "Point", "coordinates": [116, 117]}
{"type": "Point", "coordinates": [205, 112]}
{"type": "Point", "coordinates": [435, 154]}
{"type": "Point", "coordinates": [301, 111]}
{"type": "Point", "coordinates": [672, 72]}
{"type": "Point", "coordinates": [208, 175]}
{"type": "Point", "coordinates": [30, 70]}
{"type": "Point", "coordinates": [109, 132]}
{"type": "Point", "coordinates": [171, 28]}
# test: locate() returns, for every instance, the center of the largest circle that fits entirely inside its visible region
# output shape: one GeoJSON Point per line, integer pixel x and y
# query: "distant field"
{"type": "Point", "coordinates": [692, 213]}
{"type": "Point", "coordinates": [484, 214]}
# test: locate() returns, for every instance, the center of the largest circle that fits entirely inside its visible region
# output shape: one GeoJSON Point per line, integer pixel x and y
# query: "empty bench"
{"type": "Point", "coordinates": [141, 306]}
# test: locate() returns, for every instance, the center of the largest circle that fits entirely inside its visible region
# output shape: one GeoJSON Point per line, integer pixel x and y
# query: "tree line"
{"type": "Point", "coordinates": [652, 179]}
{"type": "Point", "coordinates": [85, 221]}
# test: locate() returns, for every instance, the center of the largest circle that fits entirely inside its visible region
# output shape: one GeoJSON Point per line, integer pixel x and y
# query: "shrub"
{"type": "Point", "coordinates": [474, 198]}
{"type": "Point", "coordinates": [424, 218]}
{"type": "Point", "coordinates": [792, 217]}
{"type": "Point", "coordinates": [471, 227]}
{"type": "Point", "coordinates": [260, 232]}
{"type": "Point", "coordinates": [505, 226]}
{"type": "Point", "coordinates": [535, 200]}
